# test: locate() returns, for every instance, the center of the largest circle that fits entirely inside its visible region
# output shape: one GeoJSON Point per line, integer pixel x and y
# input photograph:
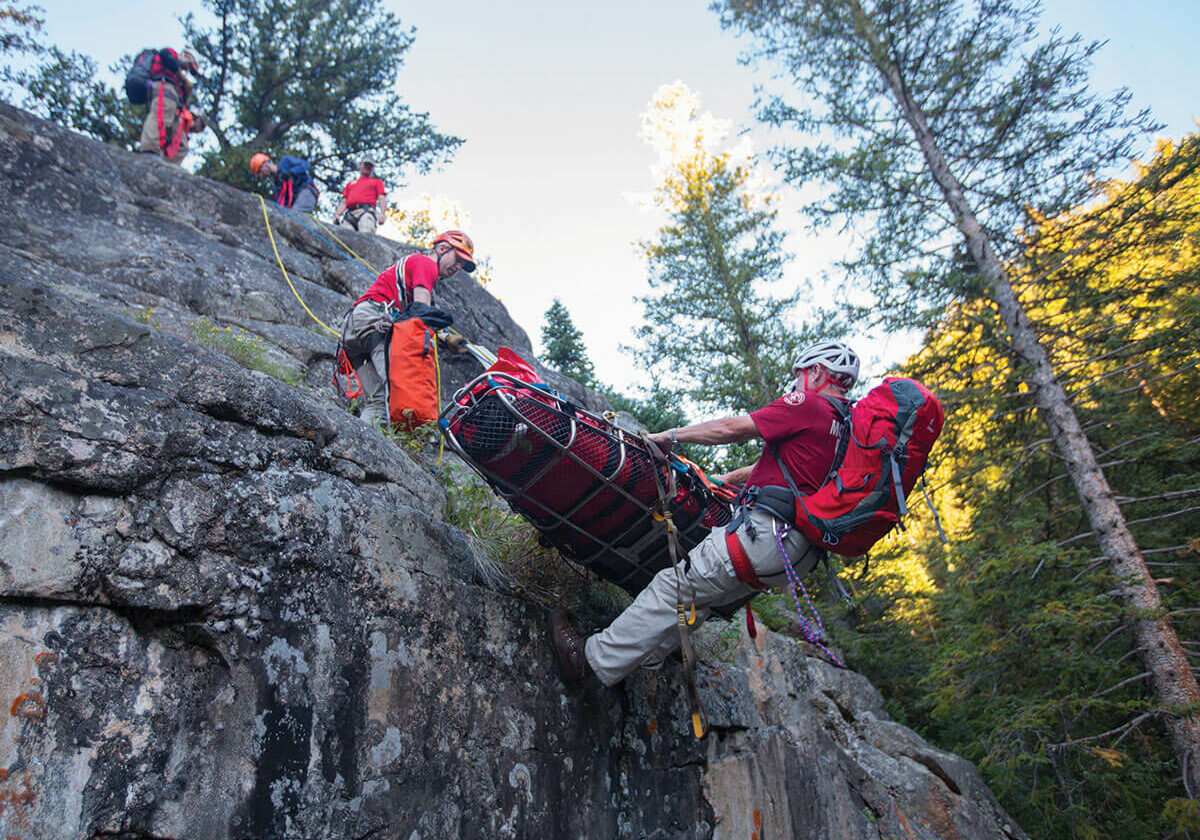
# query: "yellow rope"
{"type": "Point", "coordinates": [279, 260]}
{"type": "Point", "coordinates": [437, 366]}
{"type": "Point", "coordinates": [329, 230]}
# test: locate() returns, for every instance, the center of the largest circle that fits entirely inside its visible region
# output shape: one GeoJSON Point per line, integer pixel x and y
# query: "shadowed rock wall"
{"type": "Point", "coordinates": [228, 609]}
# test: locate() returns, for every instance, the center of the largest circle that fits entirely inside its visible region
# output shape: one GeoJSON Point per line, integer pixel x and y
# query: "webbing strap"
{"type": "Point", "coordinates": [742, 567]}
{"type": "Point", "coordinates": [936, 519]}
{"type": "Point", "coordinates": [896, 485]}
{"type": "Point", "coordinates": [686, 650]}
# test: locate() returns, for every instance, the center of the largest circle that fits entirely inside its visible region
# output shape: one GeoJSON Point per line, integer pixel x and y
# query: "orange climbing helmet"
{"type": "Point", "coordinates": [462, 245]}
{"type": "Point", "coordinates": [257, 161]}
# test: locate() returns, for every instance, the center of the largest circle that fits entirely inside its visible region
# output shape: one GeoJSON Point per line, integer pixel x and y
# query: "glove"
{"type": "Point", "coordinates": [455, 342]}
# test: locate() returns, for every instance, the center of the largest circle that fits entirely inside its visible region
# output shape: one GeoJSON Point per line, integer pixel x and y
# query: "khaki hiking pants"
{"type": "Point", "coordinates": [361, 220]}
{"type": "Point", "coordinates": [172, 104]}
{"type": "Point", "coordinates": [362, 338]}
{"type": "Point", "coordinates": [647, 633]}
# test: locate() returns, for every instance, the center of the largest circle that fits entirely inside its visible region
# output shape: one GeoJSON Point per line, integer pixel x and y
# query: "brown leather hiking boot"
{"type": "Point", "coordinates": [568, 644]}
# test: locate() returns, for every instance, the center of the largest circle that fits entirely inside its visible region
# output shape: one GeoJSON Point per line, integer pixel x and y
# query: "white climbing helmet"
{"type": "Point", "coordinates": [834, 356]}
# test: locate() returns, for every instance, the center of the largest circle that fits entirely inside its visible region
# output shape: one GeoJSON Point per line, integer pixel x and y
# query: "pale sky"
{"type": "Point", "coordinates": [548, 97]}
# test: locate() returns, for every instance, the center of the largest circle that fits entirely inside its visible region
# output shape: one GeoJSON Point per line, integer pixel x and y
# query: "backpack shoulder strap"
{"type": "Point", "coordinates": [843, 412]}
{"type": "Point", "coordinates": [402, 285]}
{"type": "Point", "coordinates": [842, 408]}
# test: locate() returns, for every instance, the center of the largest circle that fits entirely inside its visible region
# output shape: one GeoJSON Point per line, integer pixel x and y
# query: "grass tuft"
{"type": "Point", "coordinates": [243, 347]}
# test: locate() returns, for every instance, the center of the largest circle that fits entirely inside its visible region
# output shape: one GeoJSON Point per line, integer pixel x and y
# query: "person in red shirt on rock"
{"type": "Point", "coordinates": [366, 327]}
{"type": "Point", "coordinates": [364, 201]}
{"type": "Point", "coordinates": [801, 431]}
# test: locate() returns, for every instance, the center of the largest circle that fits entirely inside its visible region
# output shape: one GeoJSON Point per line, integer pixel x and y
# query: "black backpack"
{"type": "Point", "coordinates": [137, 80]}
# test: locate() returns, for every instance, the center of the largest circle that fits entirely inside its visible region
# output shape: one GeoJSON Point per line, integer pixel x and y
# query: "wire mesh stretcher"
{"type": "Point", "coordinates": [586, 484]}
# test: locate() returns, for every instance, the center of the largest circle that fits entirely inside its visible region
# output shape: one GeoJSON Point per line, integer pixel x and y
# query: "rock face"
{"type": "Point", "coordinates": [228, 609]}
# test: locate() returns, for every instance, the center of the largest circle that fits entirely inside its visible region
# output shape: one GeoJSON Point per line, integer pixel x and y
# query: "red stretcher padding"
{"type": "Point", "coordinates": [587, 485]}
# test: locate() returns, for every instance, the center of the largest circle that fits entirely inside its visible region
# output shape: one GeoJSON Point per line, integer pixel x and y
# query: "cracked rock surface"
{"type": "Point", "coordinates": [228, 609]}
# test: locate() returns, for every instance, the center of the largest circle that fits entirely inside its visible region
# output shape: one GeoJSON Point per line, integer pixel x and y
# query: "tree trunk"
{"type": "Point", "coordinates": [1174, 683]}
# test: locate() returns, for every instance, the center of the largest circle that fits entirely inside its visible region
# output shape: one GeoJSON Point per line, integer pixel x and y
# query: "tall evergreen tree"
{"type": "Point", "coordinates": [944, 121]}
{"type": "Point", "coordinates": [1008, 646]}
{"type": "Point", "coordinates": [316, 78]}
{"type": "Point", "coordinates": [563, 347]}
{"type": "Point", "coordinates": [724, 341]}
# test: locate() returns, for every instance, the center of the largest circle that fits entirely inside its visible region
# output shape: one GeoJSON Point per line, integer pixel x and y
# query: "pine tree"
{"type": "Point", "coordinates": [563, 347]}
{"type": "Point", "coordinates": [314, 78]}
{"type": "Point", "coordinates": [723, 341]}
{"type": "Point", "coordinates": [941, 121]}
{"type": "Point", "coordinates": [1019, 593]}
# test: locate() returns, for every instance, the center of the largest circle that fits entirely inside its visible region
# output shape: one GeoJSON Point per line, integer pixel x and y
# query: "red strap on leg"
{"type": "Point", "coordinates": [162, 129]}
{"type": "Point", "coordinates": [741, 562]}
{"type": "Point", "coordinates": [173, 149]}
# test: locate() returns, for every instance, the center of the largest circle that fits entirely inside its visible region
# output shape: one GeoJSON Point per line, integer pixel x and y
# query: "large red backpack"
{"type": "Point", "coordinates": [892, 430]}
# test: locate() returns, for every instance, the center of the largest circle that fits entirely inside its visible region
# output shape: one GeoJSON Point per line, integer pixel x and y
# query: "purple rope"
{"type": "Point", "coordinates": [812, 629]}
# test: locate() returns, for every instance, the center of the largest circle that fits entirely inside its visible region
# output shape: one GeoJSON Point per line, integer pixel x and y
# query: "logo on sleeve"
{"type": "Point", "coordinates": [793, 397]}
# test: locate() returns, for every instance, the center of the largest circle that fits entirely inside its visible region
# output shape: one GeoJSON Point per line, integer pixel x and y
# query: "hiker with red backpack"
{"type": "Point", "coordinates": [801, 430]}
{"type": "Point", "coordinates": [364, 201]}
{"type": "Point", "coordinates": [829, 479]}
{"type": "Point", "coordinates": [158, 80]}
{"type": "Point", "coordinates": [294, 185]}
{"type": "Point", "coordinates": [402, 292]}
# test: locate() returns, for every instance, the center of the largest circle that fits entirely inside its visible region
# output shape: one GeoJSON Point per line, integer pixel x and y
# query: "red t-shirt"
{"type": "Point", "coordinates": [419, 271]}
{"type": "Point", "coordinates": [803, 426]}
{"type": "Point", "coordinates": [363, 191]}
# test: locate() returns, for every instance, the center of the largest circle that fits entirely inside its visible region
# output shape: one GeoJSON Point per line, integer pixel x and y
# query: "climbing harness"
{"type": "Point", "coordinates": [171, 148]}
{"type": "Point", "coordinates": [291, 286]}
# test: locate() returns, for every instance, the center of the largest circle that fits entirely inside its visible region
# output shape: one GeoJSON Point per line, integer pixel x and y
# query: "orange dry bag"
{"type": "Point", "coordinates": [412, 374]}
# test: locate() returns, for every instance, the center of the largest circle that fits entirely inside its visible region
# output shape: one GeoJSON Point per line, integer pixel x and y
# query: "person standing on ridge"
{"type": "Point", "coordinates": [801, 431]}
{"type": "Point", "coordinates": [366, 327]}
{"type": "Point", "coordinates": [294, 185]}
{"type": "Point", "coordinates": [168, 120]}
{"type": "Point", "coordinates": [364, 201]}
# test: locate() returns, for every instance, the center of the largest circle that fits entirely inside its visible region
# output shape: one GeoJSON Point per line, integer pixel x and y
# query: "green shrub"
{"type": "Point", "coordinates": [244, 348]}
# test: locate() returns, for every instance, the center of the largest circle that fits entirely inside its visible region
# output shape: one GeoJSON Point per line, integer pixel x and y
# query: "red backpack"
{"type": "Point", "coordinates": [892, 430]}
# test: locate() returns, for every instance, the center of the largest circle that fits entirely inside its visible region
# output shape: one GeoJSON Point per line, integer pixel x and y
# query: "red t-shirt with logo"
{"type": "Point", "coordinates": [803, 426]}
{"type": "Point", "coordinates": [363, 191]}
{"type": "Point", "coordinates": [419, 271]}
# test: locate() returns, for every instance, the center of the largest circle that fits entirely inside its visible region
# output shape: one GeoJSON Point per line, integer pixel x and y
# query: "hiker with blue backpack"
{"type": "Point", "coordinates": [157, 79]}
{"type": "Point", "coordinates": [829, 479]}
{"type": "Point", "coordinates": [294, 185]}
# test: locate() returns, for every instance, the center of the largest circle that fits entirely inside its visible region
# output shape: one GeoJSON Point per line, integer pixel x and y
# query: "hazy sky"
{"type": "Point", "coordinates": [548, 97]}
